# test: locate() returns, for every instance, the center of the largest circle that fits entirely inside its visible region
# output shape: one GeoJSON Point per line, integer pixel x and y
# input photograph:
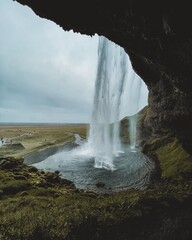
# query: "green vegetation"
{"type": "Point", "coordinates": [38, 205]}
{"type": "Point", "coordinates": [165, 148]}
{"type": "Point", "coordinates": [44, 206]}
{"type": "Point", "coordinates": [36, 138]}
{"type": "Point", "coordinates": [175, 162]}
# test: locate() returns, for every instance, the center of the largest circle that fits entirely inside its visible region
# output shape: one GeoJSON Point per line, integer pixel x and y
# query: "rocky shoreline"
{"type": "Point", "coordinates": [17, 177]}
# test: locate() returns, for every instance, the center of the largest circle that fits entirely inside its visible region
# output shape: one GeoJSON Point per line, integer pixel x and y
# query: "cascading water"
{"type": "Point", "coordinates": [119, 92]}
{"type": "Point", "coordinates": [104, 137]}
{"type": "Point", "coordinates": [133, 132]}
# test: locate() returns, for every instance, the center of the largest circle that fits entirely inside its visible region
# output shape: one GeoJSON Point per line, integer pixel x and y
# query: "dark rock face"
{"type": "Point", "coordinates": [157, 35]}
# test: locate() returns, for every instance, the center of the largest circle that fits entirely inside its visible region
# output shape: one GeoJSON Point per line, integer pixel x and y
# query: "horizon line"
{"type": "Point", "coordinates": [41, 123]}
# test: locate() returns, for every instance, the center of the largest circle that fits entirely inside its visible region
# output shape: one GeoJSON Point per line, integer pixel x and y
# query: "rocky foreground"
{"type": "Point", "coordinates": [39, 205]}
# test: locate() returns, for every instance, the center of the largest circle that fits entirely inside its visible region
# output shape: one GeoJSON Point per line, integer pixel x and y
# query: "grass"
{"type": "Point", "coordinates": [35, 138]}
{"type": "Point", "coordinates": [71, 215]}
{"type": "Point", "coordinates": [35, 205]}
{"type": "Point", "coordinates": [56, 210]}
{"type": "Point", "coordinates": [175, 162]}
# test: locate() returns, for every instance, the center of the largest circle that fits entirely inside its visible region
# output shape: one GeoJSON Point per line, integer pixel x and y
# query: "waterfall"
{"type": "Point", "coordinates": [104, 138]}
{"type": "Point", "coordinates": [119, 92]}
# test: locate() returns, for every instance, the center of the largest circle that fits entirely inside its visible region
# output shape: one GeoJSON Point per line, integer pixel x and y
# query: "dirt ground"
{"type": "Point", "coordinates": [21, 140]}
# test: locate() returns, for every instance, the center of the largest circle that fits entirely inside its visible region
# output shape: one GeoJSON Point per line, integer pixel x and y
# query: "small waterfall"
{"type": "Point", "coordinates": [119, 92]}
{"type": "Point", "coordinates": [133, 131]}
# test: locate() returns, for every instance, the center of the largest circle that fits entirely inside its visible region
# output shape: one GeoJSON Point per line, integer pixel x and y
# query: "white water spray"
{"type": "Point", "coordinates": [119, 92]}
{"type": "Point", "coordinates": [133, 132]}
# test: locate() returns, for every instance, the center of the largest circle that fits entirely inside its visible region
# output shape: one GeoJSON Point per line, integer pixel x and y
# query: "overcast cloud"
{"type": "Point", "coordinates": [46, 74]}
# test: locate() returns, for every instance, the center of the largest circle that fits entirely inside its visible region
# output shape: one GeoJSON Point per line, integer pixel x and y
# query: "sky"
{"type": "Point", "coordinates": [46, 74]}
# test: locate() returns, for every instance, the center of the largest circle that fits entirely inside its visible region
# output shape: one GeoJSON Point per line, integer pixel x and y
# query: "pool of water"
{"type": "Point", "coordinates": [132, 169]}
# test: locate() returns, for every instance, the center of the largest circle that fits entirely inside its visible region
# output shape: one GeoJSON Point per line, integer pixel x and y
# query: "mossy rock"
{"type": "Point", "coordinates": [175, 162]}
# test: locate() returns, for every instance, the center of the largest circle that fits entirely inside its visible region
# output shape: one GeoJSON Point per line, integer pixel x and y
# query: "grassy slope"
{"type": "Point", "coordinates": [39, 205]}
{"type": "Point", "coordinates": [174, 161]}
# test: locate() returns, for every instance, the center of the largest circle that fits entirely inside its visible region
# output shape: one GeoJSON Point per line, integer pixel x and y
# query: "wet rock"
{"type": "Point", "coordinates": [8, 163]}
{"type": "Point", "coordinates": [67, 182]}
{"type": "Point", "coordinates": [20, 177]}
{"type": "Point", "coordinates": [124, 131]}
{"type": "Point", "coordinates": [52, 178]}
{"type": "Point", "coordinates": [32, 169]}
{"type": "Point", "coordinates": [100, 184]}
{"type": "Point", "coordinates": [57, 172]}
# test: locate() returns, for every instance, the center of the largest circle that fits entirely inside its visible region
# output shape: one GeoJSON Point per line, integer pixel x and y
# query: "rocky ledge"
{"type": "Point", "coordinates": [16, 177]}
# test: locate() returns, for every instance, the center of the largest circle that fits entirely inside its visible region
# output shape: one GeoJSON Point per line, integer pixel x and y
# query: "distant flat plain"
{"type": "Point", "coordinates": [36, 137]}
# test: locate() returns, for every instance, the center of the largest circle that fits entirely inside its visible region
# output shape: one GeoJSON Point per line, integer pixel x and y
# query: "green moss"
{"type": "Point", "coordinates": [55, 212]}
{"type": "Point", "coordinates": [43, 192]}
{"type": "Point", "coordinates": [11, 186]}
{"type": "Point", "coordinates": [75, 215]}
{"type": "Point", "coordinates": [175, 162]}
